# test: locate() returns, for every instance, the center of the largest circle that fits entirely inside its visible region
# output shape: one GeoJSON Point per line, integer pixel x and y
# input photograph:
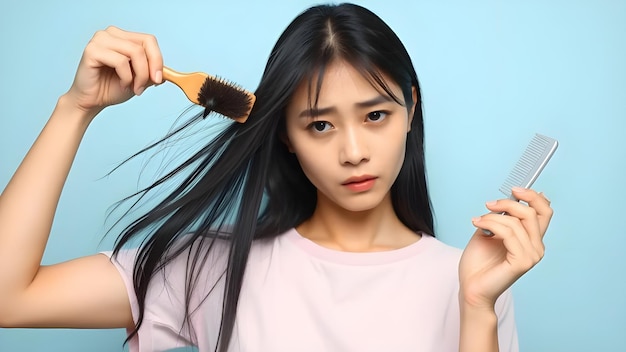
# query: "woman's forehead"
{"type": "Point", "coordinates": [329, 81]}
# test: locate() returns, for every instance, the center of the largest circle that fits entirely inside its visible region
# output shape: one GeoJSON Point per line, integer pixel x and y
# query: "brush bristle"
{"type": "Point", "coordinates": [225, 98]}
{"type": "Point", "coordinates": [532, 162]}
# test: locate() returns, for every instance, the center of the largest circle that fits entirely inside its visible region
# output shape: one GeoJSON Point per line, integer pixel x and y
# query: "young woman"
{"type": "Point", "coordinates": [308, 228]}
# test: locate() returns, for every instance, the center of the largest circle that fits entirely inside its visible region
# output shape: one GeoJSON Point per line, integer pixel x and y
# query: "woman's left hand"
{"type": "Point", "coordinates": [491, 264]}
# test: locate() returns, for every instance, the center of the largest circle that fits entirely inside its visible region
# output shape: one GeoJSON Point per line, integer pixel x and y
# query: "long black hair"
{"type": "Point", "coordinates": [244, 184]}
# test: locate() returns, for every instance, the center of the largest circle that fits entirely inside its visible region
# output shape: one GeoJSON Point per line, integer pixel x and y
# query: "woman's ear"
{"type": "Point", "coordinates": [412, 109]}
{"type": "Point", "coordinates": [285, 139]}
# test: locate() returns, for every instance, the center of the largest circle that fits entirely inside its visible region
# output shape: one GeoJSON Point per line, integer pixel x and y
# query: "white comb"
{"type": "Point", "coordinates": [529, 166]}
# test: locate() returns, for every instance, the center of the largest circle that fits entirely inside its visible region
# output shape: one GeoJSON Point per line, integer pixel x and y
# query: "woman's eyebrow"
{"type": "Point", "coordinates": [314, 112]}
{"type": "Point", "coordinates": [375, 101]}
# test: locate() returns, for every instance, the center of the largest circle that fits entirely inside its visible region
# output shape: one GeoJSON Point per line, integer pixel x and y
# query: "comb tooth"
{"type": "Point", "coordinates": [530, 164]}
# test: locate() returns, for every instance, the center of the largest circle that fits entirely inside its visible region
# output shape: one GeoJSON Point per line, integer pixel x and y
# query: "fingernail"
{"type": "Point", "coordinates": [518, 189]}
{"type": "Point", "coordinates": [491, 202]}
{"type": "Point", "coordinates": [476, 219]}
{"type": "Point", "coordinates": [140, 90]}
{"type": "Point", "coordinates": [158, 76]}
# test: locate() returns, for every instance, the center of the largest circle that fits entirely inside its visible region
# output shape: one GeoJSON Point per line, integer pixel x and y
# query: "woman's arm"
{"type": "Point", "coordinates": [86, 292]}
{"type": "Point", "coordinates": [479, 329]}
{"type": "Point", "coordinates": [491, 264]}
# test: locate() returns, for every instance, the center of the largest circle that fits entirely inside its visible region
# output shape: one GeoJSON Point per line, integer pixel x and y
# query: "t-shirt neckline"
{"type": "Point", "coordinates": [358, 258]}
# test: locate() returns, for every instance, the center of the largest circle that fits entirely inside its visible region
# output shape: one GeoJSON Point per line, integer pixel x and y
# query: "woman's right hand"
{"type": "Point", "coordinates": [115, 65]}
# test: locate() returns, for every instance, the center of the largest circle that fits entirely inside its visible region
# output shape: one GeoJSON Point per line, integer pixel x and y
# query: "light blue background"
{"type": "Point", "coordinates": [493, 73]}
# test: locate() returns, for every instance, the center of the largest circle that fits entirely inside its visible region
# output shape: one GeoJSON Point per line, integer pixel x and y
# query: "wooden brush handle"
{"type": "Point", "coordinates": [172, 75]}
{"type": "Point", "coordinates": [190, 83]}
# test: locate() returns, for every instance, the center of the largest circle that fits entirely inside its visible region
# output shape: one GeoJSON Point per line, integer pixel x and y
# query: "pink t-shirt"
{"type": "Point", "coordinates": [299, 296]}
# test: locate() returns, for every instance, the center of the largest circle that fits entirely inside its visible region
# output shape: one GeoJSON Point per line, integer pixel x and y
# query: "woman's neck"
{"type": "Point", "coordinates": [377, 229]}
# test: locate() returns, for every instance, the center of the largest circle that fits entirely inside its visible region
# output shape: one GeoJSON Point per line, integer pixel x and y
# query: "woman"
{"type": "Point", "coordinates": [307, 228]}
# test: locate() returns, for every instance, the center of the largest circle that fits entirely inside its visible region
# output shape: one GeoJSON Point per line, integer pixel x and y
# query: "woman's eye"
{"type": "Point", "coordinates": [320, 126]}
{"type": "Point", "coordinates": [376, 115]}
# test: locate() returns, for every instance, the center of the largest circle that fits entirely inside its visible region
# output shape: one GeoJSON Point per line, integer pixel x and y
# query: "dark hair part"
{"type": "Point", "coordinates": [247, 175]}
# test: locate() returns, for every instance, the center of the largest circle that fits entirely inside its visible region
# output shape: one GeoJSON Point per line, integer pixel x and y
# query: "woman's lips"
{"type": "Point", "coordinates": [360, 183]}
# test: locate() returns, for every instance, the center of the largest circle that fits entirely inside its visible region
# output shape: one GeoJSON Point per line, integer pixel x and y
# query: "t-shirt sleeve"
{"type": "Point", "coordinates": [165, 325]}
{"type": "Point", "coordinates": [161, 328]}
{"type": "Point", "coordinates": [507, 330]}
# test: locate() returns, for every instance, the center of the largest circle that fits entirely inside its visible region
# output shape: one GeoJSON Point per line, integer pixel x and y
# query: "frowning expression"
{"type": "Point", "coordinates": [351, 145]}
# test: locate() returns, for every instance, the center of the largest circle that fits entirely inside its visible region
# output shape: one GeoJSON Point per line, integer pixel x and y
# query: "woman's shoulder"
{"type": "Point", "coordinates": [440, 258]}
{"type": "Point", "coordinates": [203, 258]}
{"type": "Point", "coordinates": [441, 248]}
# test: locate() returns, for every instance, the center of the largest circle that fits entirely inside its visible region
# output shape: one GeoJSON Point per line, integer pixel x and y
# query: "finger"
{"type": "Point", "coordinates": [526, 215]}
{"type": "Point", "coordinates": [151, 49]}
{"type": "Point", "coordinates": [520, 257]}
{"type": "Point", "coordinates": [97, 57]}
{"type": "Point", "coordinates": [545, 197]}
{"type": "Point", "coordinates": [118, 53]}
{"type": "Point", "coordinates": [539, 202]}
{"type": "Point", "coordinates": [516, 225]}
{"type": "Point", "coordinates": [135, 54]}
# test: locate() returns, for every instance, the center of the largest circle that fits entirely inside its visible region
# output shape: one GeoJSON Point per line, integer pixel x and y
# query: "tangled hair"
{"type": "Point", "coordinates": [245, 185]}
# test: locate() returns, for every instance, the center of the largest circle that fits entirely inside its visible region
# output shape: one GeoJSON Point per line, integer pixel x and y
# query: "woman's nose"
{"type": "Point", "coordinates": [354, 148]}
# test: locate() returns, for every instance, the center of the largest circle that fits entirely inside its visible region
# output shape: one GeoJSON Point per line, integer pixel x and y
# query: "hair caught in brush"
{"type": "Point", "coordinates": [225, 98]}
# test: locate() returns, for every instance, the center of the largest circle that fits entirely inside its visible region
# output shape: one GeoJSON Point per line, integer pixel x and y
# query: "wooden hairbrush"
{"type": "Point", "coordinates": [213, 93]}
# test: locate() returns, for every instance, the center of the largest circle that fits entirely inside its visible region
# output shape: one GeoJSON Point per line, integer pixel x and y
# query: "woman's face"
{"type": "Point", "coordinates": [351, 146]}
